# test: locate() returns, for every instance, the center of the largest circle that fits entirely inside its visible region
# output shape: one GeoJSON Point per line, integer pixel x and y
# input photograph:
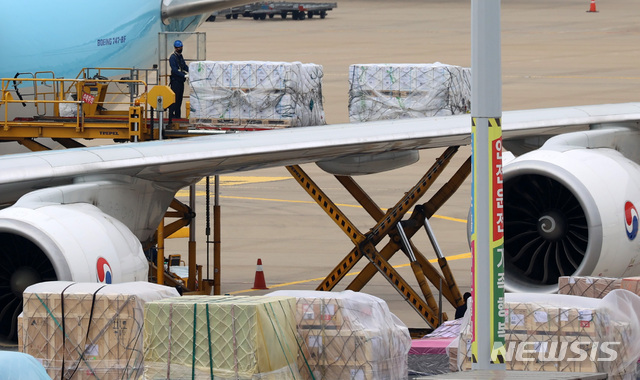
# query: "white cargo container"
{"type": "Point", "coordinates": [249, 94]}
{"type": "Point", "coordinates": [398, 91]}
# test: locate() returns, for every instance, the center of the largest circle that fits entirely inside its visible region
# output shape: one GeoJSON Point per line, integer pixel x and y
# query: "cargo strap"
{"type": "Point", "coordinates": [86, 338]}
{"type": "Point", "coordinates": [61, 327]}
{"type": "Point", "coordinates": [169, 336]}
{"type": "Point", "coordinates": [279, 332]}
{"type": "Point", "coordinates": [300, 350]}
{"type": "Point", "coordinates": [193, 355]}
{"type": "Point", "coordinates": [209, 339]}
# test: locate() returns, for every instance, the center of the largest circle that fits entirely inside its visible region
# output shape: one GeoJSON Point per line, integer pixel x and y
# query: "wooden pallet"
{"type": "Point", "coordinates": [237, 123]}
{"type": "Point", "coordinates": [389, 93]}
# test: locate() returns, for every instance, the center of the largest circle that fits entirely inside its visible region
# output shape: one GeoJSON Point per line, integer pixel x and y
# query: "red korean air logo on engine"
{"type": "Point", "coordinates": [104, 271]}
{"type": "Point", "coordinates": [631, 220]}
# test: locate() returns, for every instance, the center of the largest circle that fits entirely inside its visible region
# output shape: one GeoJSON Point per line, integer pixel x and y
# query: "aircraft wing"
{"type": "Point", "coordinates": [81, 214]}
{"type": "Point", "coordinates": [177, 163]}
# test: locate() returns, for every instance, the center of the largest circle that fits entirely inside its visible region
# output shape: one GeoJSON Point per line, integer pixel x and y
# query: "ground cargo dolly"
{"type": "Point", "coordinates": [232, 12]}
{"type": "Point", "coordinates": [262, 10]}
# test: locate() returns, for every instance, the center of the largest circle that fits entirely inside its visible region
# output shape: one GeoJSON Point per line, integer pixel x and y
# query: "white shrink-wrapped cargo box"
{"type": "Point", "coordinates": [587, 286]}
{"type": "Point", "coordinates": [349, 335]}
{"type": "Point", "coordinates": [254, 94]}
{"type": "Point", "coordinates": [565, 333]}
{"type": "Point", "coordinates": [399, 91]}
{"type": "Point", "coordinates": [221, 337]}
{"type": "Point", "coordinates": [88, 330]}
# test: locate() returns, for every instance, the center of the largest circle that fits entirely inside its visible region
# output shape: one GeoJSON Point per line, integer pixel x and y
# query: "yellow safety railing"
{"type": "Point", "coordinates": [29, 105]}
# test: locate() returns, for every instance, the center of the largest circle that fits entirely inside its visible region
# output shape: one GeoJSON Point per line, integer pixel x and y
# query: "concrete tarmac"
{"type": "Point", "coordinates": [553, 54]}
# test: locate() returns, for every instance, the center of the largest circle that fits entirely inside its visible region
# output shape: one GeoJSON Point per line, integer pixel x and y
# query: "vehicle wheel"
{"type": "Point", "coordinates": [228, 17]}
{"type": "Point", "coordinates": [310, 14]}
{"type": "Point", "coordinates": [235, 16]}
{"type": "Point", "coordinates": [255, 17]}
{"type": "Point", "coordinates": [294, 15]}
{"type": "Point", "coordinates": [263, 16]}
{"type": "Point", "coordinates": [323, 14]}
{"type": "Point", "coordinates": [301, 16]}
{"type": "Point", "coordinates": [283, 14]}
{"type": "Point", "coordinates": [271, 15]}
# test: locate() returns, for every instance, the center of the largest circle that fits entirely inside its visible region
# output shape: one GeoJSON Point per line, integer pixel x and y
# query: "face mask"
{"type": "Point", "coordinates": [179, 50]}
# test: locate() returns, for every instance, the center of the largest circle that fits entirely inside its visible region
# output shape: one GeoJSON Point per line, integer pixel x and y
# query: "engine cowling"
{"type": "Point", "coordinates": [359, 164]}
{"type": "Point", "coordinates": [74, 242]}
{"type": "Point", "coordinates": [570, 211]}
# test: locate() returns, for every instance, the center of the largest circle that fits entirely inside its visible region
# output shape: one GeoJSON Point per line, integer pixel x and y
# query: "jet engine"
{"type": "Point", "coordinates": [74, 242]}
{"type": "Point", "coordinates": [570, 210]}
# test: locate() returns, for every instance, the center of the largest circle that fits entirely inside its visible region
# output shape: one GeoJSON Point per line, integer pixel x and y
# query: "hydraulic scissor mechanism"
{"type": "Point", "coordinates": [417, 271]}
{"type": "Point", "coordinates": [181, 211]}
{"type": "Point", "coordinates": [388, 224]}
{"type": "Point", "coordinates": [185, 216]}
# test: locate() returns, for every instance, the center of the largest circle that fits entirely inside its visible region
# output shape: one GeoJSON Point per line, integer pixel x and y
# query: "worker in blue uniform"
{"type": "Point", "coordinates": [179, 74]}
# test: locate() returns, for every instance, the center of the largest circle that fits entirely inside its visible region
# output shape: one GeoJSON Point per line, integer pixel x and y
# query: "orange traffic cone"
{"type": "Point", "coordinates": [592, 7]}
{"type": "Point", "coordinates": [259, 282]}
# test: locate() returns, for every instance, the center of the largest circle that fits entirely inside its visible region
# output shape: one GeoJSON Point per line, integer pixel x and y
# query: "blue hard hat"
{"type": "Point", "coordinates": [177, 44]}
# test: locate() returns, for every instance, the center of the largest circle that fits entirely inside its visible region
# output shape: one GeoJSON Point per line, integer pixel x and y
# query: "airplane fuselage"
{"type": "Point", "coordinates": [65, 37]}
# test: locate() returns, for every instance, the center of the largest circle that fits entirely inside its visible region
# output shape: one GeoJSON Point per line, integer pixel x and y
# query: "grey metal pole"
{"type": "Point", "coordinates": [486, 111]}
{"type": "Point", "coordinates": [432, 238]}
{"type": "Point", "coordinates": [207, 228]}
{"type": "Point", "coordinates": [217, 239]}
{"type": "Point", "coordinates": [440, 301]}
{"type": "Point", "coordinates": [192, 241]}
{"type": "Point", "coordinates": [405, 242]}
{"type": "Point", "coordinates": [192, 205]}
{"type": "Point", "coordinates": [160, 118]}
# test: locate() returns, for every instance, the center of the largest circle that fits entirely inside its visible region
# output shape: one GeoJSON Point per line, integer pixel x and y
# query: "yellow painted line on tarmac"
{"type": "Point", "coordinates": [203, 193]}
{"type": "Point", "coordinates": [449, 218]}
{"type": "Point", "coordinates": [570, 77]}
{"type": "Point", "coordinates": [285, 200]}
{"type": "Point", "coordinates": [228, 180]}
{"type": "Point", "coordinates": [233, 180]}
{"type": "Point", "coordinates": [337, 204]}
{"type": "Point", "coordinates": [449, 258]}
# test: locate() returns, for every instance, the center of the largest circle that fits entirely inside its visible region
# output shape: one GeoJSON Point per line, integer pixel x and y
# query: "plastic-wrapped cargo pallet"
{"type": "Point", "coordinates": [566, 333]}
{"type": "Point", "coordinates": [400, 91]}
{"type": "Point", "coordinates": [254, 95]}
{"type": "Point", "coordinates": [587, 286]}
{"type": "Point", "coordinates": [221, 337]}
{"type": "Point", "coordinates": [349, 335]}
{"type": "Point", "coordinates": [88, 330]}
{"type": "Point", "coordinates": [631, 284]}
{"type": "Point", "coordinates": [429, 355]}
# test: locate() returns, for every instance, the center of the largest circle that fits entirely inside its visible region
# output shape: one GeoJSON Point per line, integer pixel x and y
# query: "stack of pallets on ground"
{"type": "Point", "coordinates": [347, 335]}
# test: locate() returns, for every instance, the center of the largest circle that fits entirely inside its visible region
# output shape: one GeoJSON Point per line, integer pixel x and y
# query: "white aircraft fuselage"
{"type": "Point", "coordinates": [64, 37]}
